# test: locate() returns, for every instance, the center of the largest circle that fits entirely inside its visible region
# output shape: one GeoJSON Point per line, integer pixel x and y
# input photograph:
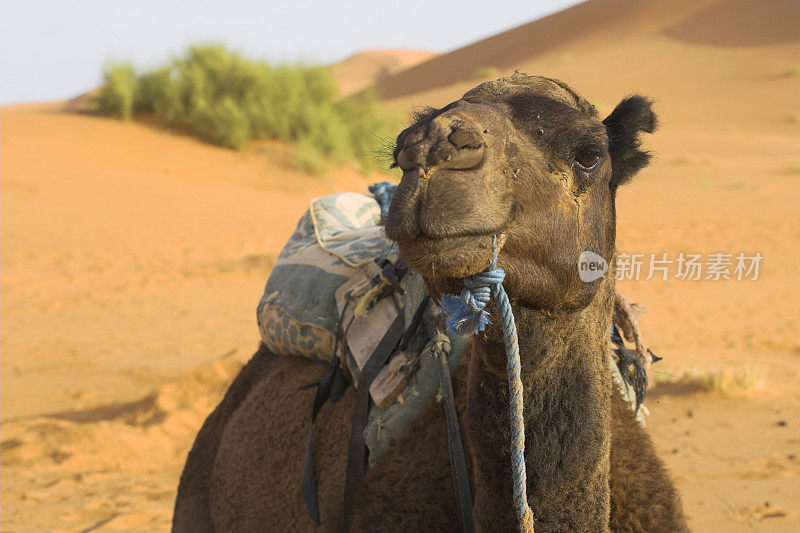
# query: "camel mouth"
{"type": "Point", "coordinates": [456, 257]}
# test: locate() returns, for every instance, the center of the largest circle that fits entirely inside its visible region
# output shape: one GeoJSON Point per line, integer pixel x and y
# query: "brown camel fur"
{"type": "Point", "coordinates": [525, 158]}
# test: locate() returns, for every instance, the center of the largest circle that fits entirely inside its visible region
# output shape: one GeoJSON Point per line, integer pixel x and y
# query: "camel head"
{"type": "Point", "coordinates": [524, 158]}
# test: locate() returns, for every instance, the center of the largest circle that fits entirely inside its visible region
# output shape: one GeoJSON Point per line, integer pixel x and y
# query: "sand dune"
{"type": "Point", "coordinates": [737, 23]}
{"type": "Point", "coordinates": [362, 69]}
{"type": "Point", "coordinates": [578, 27]}
{"type": "Point", "coordinates": [676, 52]}
{"type": "Point", "coordinates": [133, 258]}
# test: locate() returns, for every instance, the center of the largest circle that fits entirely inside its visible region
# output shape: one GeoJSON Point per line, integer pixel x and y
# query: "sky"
{"type": "Point", "coordinates": [56, 49]}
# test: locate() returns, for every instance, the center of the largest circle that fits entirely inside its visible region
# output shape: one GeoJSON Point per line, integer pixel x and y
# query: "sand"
{"type": "Point", "coordinates": [364, 68]}
{"type": "Point", "coordinates": [133, 258]}
{"type": "Point", "coordinates": [130, 257]}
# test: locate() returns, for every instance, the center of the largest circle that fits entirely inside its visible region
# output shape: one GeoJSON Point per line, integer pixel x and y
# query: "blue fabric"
{"type": "Point", "coordinates": [383, 193]}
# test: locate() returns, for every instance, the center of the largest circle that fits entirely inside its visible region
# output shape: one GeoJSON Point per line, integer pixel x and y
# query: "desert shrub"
{"type": "Point", "coordinates": [729, 380]}
{"type": "Point", "coordinates": [724, 381]}
{"type": "Point", "coordinates": [221, 122]}
{"type": "Point", "coordinates": [308, 158]}
{"type": "Point", "coordinates": [119, 96]}
{"type": "Point", "coordinates": [160, 92]}
{"type": "Point", "coordinates": [372, 132]}
{"type": "Point", "coordinates": [228, 100]}
{"type": "Point", "coordinates": [793, 169]}
{"type": "Point", "coordinates": [485, 72]}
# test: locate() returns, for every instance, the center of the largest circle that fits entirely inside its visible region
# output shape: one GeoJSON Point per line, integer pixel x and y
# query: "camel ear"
{"type": "Point", "coordinates": [633, 115]}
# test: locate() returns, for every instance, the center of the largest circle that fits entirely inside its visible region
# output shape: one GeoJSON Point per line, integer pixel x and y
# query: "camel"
{"type": "Point", "coordinates": [527, 159]}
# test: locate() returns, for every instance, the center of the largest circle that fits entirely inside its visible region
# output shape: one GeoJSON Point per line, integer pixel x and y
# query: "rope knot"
{"type": "Point", "coordinates": [467, 312]}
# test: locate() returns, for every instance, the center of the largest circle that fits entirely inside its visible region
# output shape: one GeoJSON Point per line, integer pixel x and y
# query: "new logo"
{"type": "Point", "coordinates": [591, 266]}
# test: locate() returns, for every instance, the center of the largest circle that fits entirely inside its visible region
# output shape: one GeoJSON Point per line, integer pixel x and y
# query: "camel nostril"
{"type": "Point", "coordinates": [414, 137]}
{"type": "Point", "coordinates": [462, 137]}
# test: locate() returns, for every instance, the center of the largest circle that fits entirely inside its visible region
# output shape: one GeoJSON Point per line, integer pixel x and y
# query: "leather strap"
{"type": "Point", "coordinates": [332, 385]}
{"type": "Point", "coordinates": [357, 452]}
{"type": "Point", "coordinates": [458, 462]}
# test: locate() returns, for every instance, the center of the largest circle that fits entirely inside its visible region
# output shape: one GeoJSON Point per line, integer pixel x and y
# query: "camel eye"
{"type": "Point", "coordinates": [586, 161]}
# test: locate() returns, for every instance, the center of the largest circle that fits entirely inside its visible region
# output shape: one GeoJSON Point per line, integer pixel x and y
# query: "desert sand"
{"type": "Point", "coordinates": [133, 259]}
{"type": "Point", "coordinates": [364, 68]}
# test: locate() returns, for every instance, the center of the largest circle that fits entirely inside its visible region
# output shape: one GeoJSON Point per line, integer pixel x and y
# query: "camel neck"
{"type": "Point", "coordinates": [567, 386]}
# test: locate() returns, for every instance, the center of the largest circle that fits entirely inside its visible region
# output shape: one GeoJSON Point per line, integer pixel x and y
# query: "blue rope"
{"type": "Point", "coordinates": [467, 315]}
{"type": "Point", "coordinates": [383, 193]}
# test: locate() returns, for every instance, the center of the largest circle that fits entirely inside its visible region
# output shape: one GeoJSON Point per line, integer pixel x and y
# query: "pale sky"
{"type": "Point", "coordinates": [55, 49]}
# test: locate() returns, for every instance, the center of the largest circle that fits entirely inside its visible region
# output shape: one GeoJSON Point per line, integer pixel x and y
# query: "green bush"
{"type": "Point", "coordinates": [119, 96]}
{"type": "Point", "coordinates": [309, 159]}
{"type": "Point", "coordinates": [222, 122]}
{"type": "Point", "coordinates": [228, 100]}
{"type": "Point", "coordinates": [485, 72]}
{"type": "Point", "coordinates": [160, 93]}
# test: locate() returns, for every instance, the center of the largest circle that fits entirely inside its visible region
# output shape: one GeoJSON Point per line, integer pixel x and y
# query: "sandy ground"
{"type": "Point", "coordinates": [130, 257]}
{"type": "Point", "coordinates": [133, 259]}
